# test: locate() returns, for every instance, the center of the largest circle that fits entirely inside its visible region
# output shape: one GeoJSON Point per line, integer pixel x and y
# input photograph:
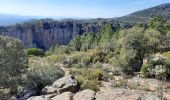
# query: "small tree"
{"type": "Point", "coordinates": [12, 61]}
{"type": "Point", "coordinates": [76, 43]}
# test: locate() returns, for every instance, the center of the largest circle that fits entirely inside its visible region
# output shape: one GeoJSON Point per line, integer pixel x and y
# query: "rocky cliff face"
{"type": "Point", "coordinates": [45, 33]}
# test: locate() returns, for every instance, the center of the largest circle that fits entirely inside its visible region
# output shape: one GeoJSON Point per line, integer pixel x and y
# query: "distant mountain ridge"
{"type": "Point", "coordinates": [10, 19]}
{"type": "Point", "coordinates": [138, 16]}
{"type": "Point", "coordinates": [150, 13]}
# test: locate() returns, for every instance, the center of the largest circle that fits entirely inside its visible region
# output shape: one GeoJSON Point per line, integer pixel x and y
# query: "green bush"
{"type": "Point", "coordinates": [98, 65]}
{"type": "Point", "coordinates": [156, 68]}
{"type": "Point", "coordinates": [39, 75]}
{"type": "Point", "coordinates": [13, 62]}
{"type": "Point", "coordinates": [160, 72]}
{"type": "Point", "coordinates": [96, 59]}
{"type": "Point", "coordinates": [64, 50]}
{"type": "Point", "coordinates": [54, 58]}
{"type": "Point", "coordinates": [86, 60]}
{"type": "Point", "coordinates": [87, 78]}
{"type": "Point", "coordinates": [76, 65]}
{"type": "Point", "coordinates": [146, 70]}
{"type": "Point", "coordinates": [99, 55]}
{"type": "Point", "coordinates": [166, 54]}
{"type": "Point", "coordinates": [91, 84]}
{"type": "Point", "coordinates": [59, 50]}
{"type": "Point", "coordinates": [70, 61]}
{"type": "Point", "coordinates": [167, 64]}
{"type": "Point", "coordinates": [35, 52]}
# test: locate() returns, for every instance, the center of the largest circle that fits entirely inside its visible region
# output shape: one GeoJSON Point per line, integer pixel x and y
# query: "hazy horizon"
{"type": "Point", "coordinates": [76, 8]}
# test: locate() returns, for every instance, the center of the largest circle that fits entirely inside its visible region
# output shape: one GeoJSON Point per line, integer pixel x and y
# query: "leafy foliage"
{"type": "Point", "coordinates": [88, 79]}
{"type": "Point", "coordinates": [41, 74]}
{"type": "Point", "coordinates": [13, 62]}
{"type": "Point", "coordinates": [35, 52]}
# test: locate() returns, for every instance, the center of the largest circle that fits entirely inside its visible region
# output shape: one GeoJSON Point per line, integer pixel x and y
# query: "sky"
{"type": "Point", "coordinates": [76, 8]}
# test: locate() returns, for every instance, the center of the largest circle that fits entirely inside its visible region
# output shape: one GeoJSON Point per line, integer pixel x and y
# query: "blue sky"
{"type": "Point", "coordinates": [76, 8]}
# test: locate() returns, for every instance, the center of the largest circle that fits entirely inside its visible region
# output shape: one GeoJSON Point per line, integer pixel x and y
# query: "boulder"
{"type": "Point", "coordinates": [37, 98]}
{"type": "Point", "coordinates": [63, 96]}
{"type": "Point", "coordinates": [67, 83]}
{"type": "Point", "coordinates": [85, 95]}
{"type": "Point", "coordinates": [125, 94]}
{"type": "Point", "coordinates": [43, 97]}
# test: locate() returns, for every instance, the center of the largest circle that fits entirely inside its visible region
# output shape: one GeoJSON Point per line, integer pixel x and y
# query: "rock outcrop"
{"type": "Point", "coordinates": [47, 32]}
{"type": "Point", "coordinates": [67, 83]}
{"type": "Point", "coordinates": [66, 88]}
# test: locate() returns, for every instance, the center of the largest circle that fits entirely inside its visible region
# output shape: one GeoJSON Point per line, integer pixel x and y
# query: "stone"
{"type": "Point", "coordinates": [85, 95]}
{"type": "Point", "coordinates": [64, 96]}
{"type": "Point", "coordinates": [42, 97]}
{"type": "Point", "coordinates": [67, 83]}
{"type": "Point", "coordinates": [37, 98]}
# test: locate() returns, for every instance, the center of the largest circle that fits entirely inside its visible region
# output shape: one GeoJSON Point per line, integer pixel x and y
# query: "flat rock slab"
{"type": "Point", "coordinates": [85, 95]}
{"type": "Point", "coordinates": [65, 84]}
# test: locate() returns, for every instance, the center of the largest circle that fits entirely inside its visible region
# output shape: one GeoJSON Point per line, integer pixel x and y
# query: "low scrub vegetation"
{"type": "Point", "coordinates": [35, 52]}
{"type": "Point", "coordinates": [91, 58]}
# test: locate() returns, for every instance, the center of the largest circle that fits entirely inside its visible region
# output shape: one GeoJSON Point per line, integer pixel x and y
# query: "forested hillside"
{"type": "Point", "coordinates": [147, 14]}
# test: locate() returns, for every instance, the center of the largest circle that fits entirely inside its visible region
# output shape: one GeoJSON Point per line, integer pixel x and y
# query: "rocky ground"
{"type": "Point", "coordinates": [135, 88]}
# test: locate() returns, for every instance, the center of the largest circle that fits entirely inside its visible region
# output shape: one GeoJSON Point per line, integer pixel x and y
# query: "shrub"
{"type": "Point", "coordinates": [96, 59]}
{"type": "Point", "coordinates": [91, 84]}
{"type": "Point", "coordinates": [39, 75]}
{"type": "Point", "coordinates": [166, 54]}
{"type": "Point", "coordinates": [64, 50]}
{"type": "Point", "coordinates": [167, 65]}
{"type": "Point", "coordinates": [160, 72]}
{"type": "Point", "coordinates": [97, 74]}
{"type": "Point", "coordinates": [70, 61]}
{"type": "Point", "coordinates": [86, 60]}
{"type": "Point", "coordinates": [98, 65]}
{"type": "Point", "coordinates": [54, 58]}
{"type": "Point", "coordinates": [13, 62]}
{"type": "Point", "coordinates": [35, 52]}
{"type": "Point", "coordinates": [146, 70]}
{"type": "Point", "coordinates": [76, 65]}
{"type": "Point", "coordinates": [99, 56]}
{"type": "Point", "coordinates": [81, 80]}
{"type": "Point", "coordinates": [59, 50]}
{"type": "Point", "coordinates": [157, 67]}
{"type": "Point", "coordinates": [87, 78]}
